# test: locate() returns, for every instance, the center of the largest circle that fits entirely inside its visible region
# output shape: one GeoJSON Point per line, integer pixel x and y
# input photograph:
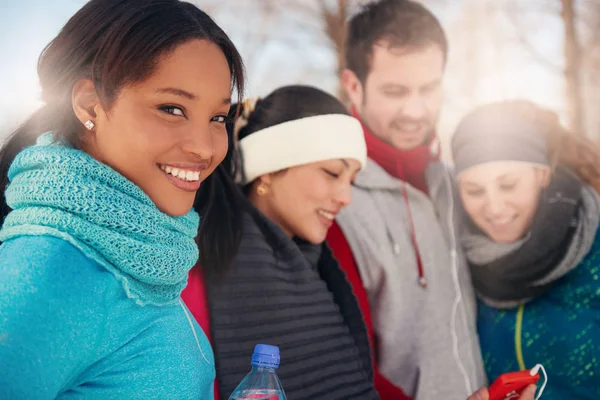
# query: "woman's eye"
{"type": "Point", "coordinates": [508, 187]}
{"type": "Point", "coordinates": [173, 110]}
{"type": "Point", "coordinates": [332, 174]}
{"type": "Point", "coordinates": [221, 119]}
{"type": "Point", "coordinates": [474, 193]}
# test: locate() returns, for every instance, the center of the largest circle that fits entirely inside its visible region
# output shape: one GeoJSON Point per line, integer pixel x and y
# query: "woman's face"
{"type": "Point", "coordinates": [502, 197]}
{"type": "Point", "coordinates": [167, 133]}
{"type": "Point", "coordinates": [304, 200]}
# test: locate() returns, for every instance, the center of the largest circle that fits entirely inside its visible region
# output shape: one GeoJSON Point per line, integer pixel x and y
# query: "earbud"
{"type": "Point", "coordinates": [534, 370]}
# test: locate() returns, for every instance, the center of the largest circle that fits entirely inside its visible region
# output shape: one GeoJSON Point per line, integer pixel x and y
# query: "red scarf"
{"type": "Point", "coordinates": [406, 165]}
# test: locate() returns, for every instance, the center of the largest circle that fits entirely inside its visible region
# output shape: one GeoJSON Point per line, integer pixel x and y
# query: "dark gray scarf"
{"type": "Point", "coordinates": [293, 295]}
{"type": "Point", "coordinates": [562, 232]}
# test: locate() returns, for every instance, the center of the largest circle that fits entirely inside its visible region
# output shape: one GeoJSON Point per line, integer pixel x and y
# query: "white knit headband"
{"type": "Point", "coordinates": [302, 141]}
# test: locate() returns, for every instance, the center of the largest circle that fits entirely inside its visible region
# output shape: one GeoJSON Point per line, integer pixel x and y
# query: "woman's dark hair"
{"type": "Point", "coordinates": [115, 43]}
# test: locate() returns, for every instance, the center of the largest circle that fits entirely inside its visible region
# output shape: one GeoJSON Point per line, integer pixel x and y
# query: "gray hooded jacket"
{"type": "Point", "coordinates": [427, 341]}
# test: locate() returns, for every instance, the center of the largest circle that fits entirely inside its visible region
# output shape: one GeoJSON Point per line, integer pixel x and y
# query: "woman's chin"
{"type": "Point", "coordinates": [174, 208]}
{"type": "Point", "coordinates": [313, 237]}
{"type": "Point", "coordinates": [317, 238]}
{"type": "Point", "coordinates": [503, 237]}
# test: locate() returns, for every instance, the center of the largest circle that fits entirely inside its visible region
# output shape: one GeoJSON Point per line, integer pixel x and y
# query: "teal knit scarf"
{"type": "Point", "coordinates": [59, 191]}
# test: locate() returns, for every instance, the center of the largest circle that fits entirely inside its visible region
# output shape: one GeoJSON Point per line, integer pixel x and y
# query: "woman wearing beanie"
{"type": "Point", "coordinates": [529, 190]}
{"type": "Point", "coordinates": [300, 152]}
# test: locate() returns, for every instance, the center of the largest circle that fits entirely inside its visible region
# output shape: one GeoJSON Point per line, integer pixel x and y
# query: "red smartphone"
{"type": "Point", "coordinates": [509, 386]}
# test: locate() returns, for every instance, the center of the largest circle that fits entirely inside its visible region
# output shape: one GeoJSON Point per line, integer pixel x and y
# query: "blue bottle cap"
{"type": "Point", "coordinates": [265, 355]}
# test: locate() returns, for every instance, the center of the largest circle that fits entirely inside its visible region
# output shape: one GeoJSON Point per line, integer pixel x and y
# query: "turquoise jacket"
{"type": "Point", "coordinates": [560, 330]}
{"type": "Point", "coordinates": [68, 330]}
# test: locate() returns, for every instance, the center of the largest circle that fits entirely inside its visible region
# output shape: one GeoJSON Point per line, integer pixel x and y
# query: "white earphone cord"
{"type": "Point", "coordinates": [458, 292]}
{"type": "Point", "coordinates": [534, 371]}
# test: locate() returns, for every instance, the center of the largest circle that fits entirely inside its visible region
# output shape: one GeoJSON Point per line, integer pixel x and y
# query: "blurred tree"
{"type": "Point", "coordinates": [327, 19]}
{"type": "Point", "coordinates": [573, 67]}
{"type": "Point", "coordinates": [580, 21]}
{"type": "Point", "coordinates": [590, 16]}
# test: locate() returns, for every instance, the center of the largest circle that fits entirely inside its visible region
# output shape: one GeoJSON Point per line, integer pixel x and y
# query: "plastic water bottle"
{"type": "Point", "coordinates": [262, 382]}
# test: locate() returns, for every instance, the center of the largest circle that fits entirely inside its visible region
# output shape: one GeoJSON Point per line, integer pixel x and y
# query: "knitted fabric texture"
{"type": "Point", "coordinates": [63, 192]}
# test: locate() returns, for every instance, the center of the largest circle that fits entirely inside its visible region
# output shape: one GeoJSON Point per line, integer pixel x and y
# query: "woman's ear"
{"type": "Point", "coordinates": [265, 179]}
{"type": "Point", "coordinates": [262, 185]}
{"type": "Point", "coordinates": [85, 102]}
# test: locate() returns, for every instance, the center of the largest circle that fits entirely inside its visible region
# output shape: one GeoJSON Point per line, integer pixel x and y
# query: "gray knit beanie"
{"type": "Point", "coordinates": [492, 134]}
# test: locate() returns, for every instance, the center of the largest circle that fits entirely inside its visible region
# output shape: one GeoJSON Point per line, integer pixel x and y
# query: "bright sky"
{"type": "Point", "coordinates": [26, 26]}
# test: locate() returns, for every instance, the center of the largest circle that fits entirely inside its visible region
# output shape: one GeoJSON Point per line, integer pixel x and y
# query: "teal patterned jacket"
{"type": "Point", "coordinates": [560, 330]}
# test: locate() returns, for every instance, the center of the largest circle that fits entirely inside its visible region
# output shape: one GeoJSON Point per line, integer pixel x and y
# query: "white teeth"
{"type": "Point", "coordinates": [184, 175]}
{"type": "Point", "coordinates": [326, 214]}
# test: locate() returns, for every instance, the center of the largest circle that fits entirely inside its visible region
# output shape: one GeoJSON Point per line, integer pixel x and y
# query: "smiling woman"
{"type": "Point", "coordinates": [529, 189]}
{"type": "Point", "coordinates": [98, 227]}
{"type": "Point", "coordinates": [300, 152]}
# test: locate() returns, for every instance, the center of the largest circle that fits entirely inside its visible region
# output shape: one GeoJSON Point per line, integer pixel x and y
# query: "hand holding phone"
{"type": "Point", "coordinates": [511, 385]}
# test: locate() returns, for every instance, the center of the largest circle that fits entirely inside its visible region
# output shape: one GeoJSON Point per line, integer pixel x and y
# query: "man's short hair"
{"type": "Point", "coordinates": [401, 23]}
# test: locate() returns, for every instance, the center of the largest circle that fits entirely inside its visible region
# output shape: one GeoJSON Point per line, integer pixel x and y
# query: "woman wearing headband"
{"type": "Point", "coordinates": [530, 192]}
{"type": "Point", "coordinates": [300, 152]}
